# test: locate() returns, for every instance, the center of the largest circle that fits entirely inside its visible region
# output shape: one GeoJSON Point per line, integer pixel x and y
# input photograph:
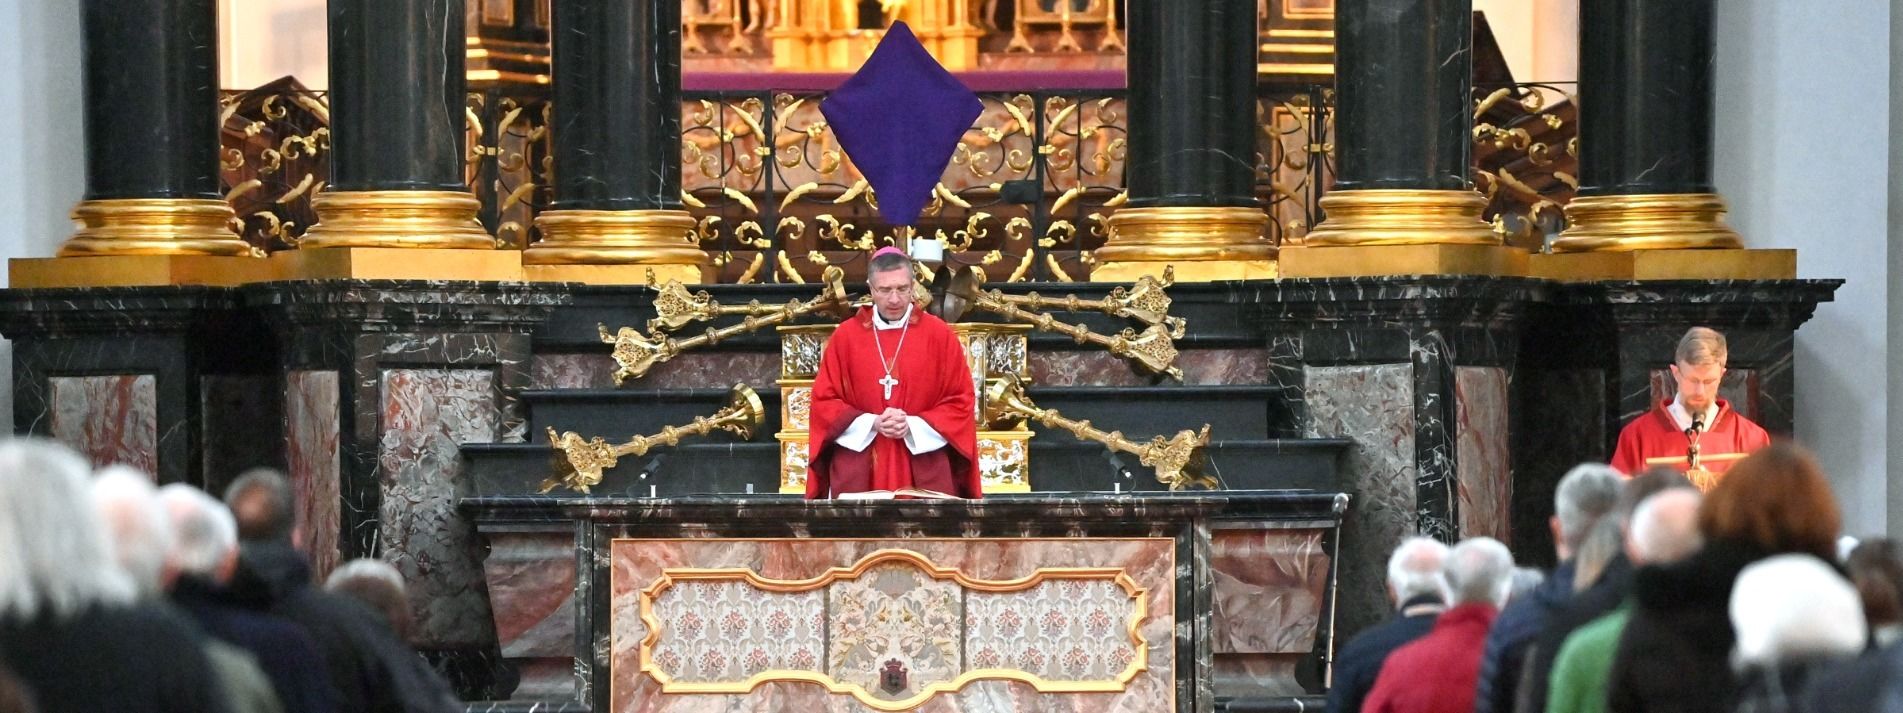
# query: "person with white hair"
{"type": "Point", "coordinates": [1419, 593]}
{"type": "Point", "coordinates": [378, 585]}
{"type": "Point", "coordinates": [1584, 495]}
{"type": "Point", "coordinates": [1664, 529]}
{"type": "Point", "coordinates": [203, 558]}
{"type": "Point", "coordinates": [1437, 672]}
{"type": "Point", "coordinates": [72, 627]}
{"type": "Point", "coordinates": [142, 542]}
{"type": "Point", "coordinates": [1794, 616]}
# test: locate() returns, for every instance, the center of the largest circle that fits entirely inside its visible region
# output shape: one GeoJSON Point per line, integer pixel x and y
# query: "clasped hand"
{"type": "Point", "coordinates": [892, 424]}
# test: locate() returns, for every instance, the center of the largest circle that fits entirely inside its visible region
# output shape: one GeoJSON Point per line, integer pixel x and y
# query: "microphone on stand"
{"type": "Point", "coordinates": [1698, 425]}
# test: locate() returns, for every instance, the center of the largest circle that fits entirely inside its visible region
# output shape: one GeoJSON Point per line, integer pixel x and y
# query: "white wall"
{"type": "Point", "coordinates": [1803, 137]}
{"type": "Point", "coordinates": [1894, 502]}
{"type": "Point", "coordinates": [42, 167]}
{"type": "Point", "coordinates": [1538, 38]}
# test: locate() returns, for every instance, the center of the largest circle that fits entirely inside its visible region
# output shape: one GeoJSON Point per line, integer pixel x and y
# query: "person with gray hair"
{"type": "Point", "coordinates": [204, 557]}
{"type": "Point", "coordinates": [1419, 592]}
{"type": "Point", "coordinates": [1436, 673]}
{"type": "Point", "coordinates": [1587, 493]}
{"type": "Point", "coordinates": [1664, 529]}
{"type": "Point", "coordinates": [72, 627]}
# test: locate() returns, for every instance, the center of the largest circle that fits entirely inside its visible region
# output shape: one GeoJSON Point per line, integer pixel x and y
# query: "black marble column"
{"type": "Point", "coordinates": [396, 95]}
{"type": "Point", "coordinates": [1192, 103]}
{"type": "Point", "coordinates": [151, 88]}
{"type": "Point", "coordinates": [1404, 73]}
{"type": "Point", "coordinates": [617, 77]}
{"type": "Point", "coordinates": [1645, 89]}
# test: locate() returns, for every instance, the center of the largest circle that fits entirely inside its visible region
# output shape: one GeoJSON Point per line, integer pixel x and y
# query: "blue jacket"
{"type": "Point", "coordinates": [1513, 633]}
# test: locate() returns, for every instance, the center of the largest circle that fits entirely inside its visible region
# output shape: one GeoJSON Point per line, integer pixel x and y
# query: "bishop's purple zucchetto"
{"type": "Point", "coordinates": [899, 119]}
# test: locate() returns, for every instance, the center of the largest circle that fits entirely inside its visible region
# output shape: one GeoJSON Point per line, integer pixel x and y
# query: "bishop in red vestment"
{"type": "Point", "coordinates": [1667, 430]}
{"type": "Point", "coordinates": [893, 400]}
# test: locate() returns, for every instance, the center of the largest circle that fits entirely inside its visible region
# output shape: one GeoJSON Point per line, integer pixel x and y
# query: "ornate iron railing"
{"type": "Point", "coordinates": [1026, 195]}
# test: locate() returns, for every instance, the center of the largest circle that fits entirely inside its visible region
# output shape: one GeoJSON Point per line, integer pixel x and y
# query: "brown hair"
{"type": "Point", "coordinates": [1776, 499]}
{"type": "Point", "coordinates": [1878, 573]}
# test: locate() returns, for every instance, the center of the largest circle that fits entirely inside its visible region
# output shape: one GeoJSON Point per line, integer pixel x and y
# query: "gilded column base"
{"type": "Point", "coordinates": [615, 247]}
{"type": "Point", "coordinates": [1394, 260]}
{"type": "Point", "coordinates": [396, 219]}
{"type": "Point", "coordinates": [154, 226]}
{"type": "Point", "coordinates": [1391, 216]}
{"type": "Point", "coordinates": [1624, 265]}
{"type": "Point", "coordinates": [350, 263]}
{"type": "Point", "coordinates": [1203, 243]}
{"type": "Point", "coordinates": [1653, 221]}
{"type": "Point", "coordinates": [138, 271]}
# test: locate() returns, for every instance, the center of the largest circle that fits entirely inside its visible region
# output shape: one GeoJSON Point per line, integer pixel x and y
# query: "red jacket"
{"type": "Point", "coordinates": [1436, 673]}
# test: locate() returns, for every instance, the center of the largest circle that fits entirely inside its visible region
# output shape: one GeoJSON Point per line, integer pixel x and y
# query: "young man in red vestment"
{"type": "Point", "coordinates": [1694, 415]}
{"type": "Point", "coordinates": [893, 401]}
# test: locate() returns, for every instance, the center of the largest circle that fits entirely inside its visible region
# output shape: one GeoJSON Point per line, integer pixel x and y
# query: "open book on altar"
{"type": "Point", "coordinates": [900, 494]}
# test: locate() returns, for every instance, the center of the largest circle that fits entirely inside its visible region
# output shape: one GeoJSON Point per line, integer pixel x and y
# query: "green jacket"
{"type": "Point", "coordinates": [1579, 674]}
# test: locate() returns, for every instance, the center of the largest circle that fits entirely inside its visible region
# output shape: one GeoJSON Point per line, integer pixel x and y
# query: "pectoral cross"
{"type": "Point", "coordinates": [888, 382]}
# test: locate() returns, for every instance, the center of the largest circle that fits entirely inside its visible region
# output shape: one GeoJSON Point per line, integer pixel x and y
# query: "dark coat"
{"type": "Point", "coordinates": [143, 658]}
{"type": "Point", "coordinates": [286, 654]}
{"type": "Point", "coordinates": [1675, 653]}
{"type": "Point", "coordinates": [1600, 599]}
{"type": "Point", "coordinates": [1503, 662]}
{"type": "Point", "coordinates": [1870, 684]}
{"type": "Point", "coordinates": [276, 577]}
{"type": "Point", "coordinates": [1780, 688]}
{"type": "Point", "coordinates": [1360, 661]}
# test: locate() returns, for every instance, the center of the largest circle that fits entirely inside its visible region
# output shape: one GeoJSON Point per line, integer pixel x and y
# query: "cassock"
{"type": "Point", "coordinates": [933, 387]}
{"type": "Point", "coordinates": [1660, 433]}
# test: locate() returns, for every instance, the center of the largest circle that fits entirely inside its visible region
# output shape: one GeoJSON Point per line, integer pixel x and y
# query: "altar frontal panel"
{"type": "Point", "coordinates": [903, 624]}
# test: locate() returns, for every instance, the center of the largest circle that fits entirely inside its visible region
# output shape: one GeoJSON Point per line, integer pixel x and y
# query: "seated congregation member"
{"type": "Point", "coordinates": [380, 587]}
{"type": "Point", "coordinates": [273, 573]}
{"type": "Point", "coordinates": [1663, 529]}
{"type": "Point", "coordinates": [1795, 616]}
{"type": "Point", "coordinates": [1436, 673]}
{"type": "Point", "coordinates": [1602, 581]}
{"type": "Point", "coordinates": [204, 556]}
{"type": "Point", "coordinates": [1419, 592]}
{"type": "Point", "coordinates": [1585, 494]}
{"type": "Point", "coordinates": [71, 625]}
{"type": "Point", "coordinates": [1694, 414]}
{"type": "Point", "coordinates": [1877, 571]}
{"type": "Point", "coordinates": [1675, 652]}
{"type": "Point", "coordinates": [142, 542]}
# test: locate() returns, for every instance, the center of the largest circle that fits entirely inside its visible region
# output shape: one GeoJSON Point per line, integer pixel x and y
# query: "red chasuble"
{"type": "Point", "coordinates": [1656, 435]}
{"type": "Point", "coordinates": [934, 385]}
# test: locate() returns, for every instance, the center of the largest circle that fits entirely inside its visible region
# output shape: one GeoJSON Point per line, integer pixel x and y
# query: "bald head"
{"type": "Point", "coordinates": [1665, 527]}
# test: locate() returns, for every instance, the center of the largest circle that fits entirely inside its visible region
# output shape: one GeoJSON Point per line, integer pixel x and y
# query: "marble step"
{"type": "Point", "coordinates": [1236, 412]}
{"type": "Point", "coordinates": [720, 465]}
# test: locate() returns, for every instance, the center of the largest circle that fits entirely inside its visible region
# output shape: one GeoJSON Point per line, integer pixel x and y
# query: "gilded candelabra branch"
{"type": "Point", "coordinates": [1154, 348]}
{"type": "Point", "coordinates": [579, 461]}
{"type": "Point", "coordinates": [635, 353]}
{"type": "Point", "coordinates": [1177, 460]}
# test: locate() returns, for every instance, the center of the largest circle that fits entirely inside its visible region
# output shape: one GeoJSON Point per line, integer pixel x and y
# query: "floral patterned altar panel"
{"type": "Point", "coordinates": [1063, 630]}
{"type": "Point", "coordinates": [922, 601]}
{"type": "Point", "coordinates": [729, 631]}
